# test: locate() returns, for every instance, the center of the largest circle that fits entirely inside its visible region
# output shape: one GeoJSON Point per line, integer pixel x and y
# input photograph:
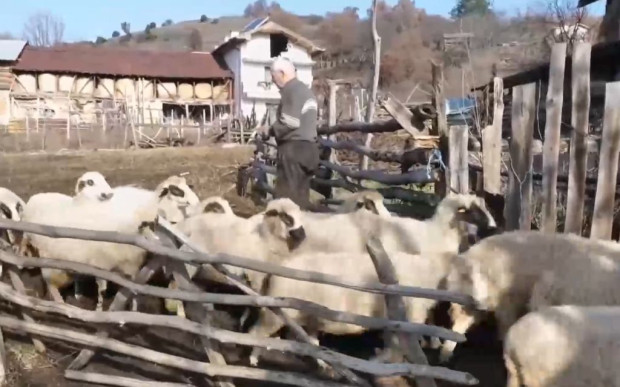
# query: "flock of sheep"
{"type": "Point", "coordinates": [553, 295]}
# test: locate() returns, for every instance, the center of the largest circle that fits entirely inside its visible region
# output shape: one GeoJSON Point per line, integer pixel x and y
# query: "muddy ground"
{"type": "Point", "coordinates": [212, 172]}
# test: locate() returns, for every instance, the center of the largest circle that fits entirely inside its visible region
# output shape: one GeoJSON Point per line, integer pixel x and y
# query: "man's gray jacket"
{"type": "Point", "coordinates": [296, 115]}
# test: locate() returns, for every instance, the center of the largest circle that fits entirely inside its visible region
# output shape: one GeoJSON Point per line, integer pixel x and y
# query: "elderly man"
{"type": "Point", "coordinates": [295, 134]}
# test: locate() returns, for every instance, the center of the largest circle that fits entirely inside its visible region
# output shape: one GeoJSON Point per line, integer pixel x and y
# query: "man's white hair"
{"type": "Point", "coordinates": [283, 64]}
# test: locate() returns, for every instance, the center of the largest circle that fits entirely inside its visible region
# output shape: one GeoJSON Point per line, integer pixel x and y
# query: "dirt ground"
{"type": "Point", "coordinates": [212, 172]}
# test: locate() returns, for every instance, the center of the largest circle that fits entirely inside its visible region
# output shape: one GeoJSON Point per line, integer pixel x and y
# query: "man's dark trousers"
{"type": "Point", "coordinates": [297, 163]}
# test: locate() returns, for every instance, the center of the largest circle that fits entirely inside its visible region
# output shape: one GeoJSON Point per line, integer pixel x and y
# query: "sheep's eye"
{"type": "Point", "coordinates": [176, 191]}
{"type": "Point", "coordinates": [90, 182]}
{"type": "Point", "coordinates": [370, 205]}
{"type": "Point", "coordinates": [19, 207]}
{"type": "Point", "coordinates": [191, 186]}
{"type": "Point", "coordinates": [359, 205]}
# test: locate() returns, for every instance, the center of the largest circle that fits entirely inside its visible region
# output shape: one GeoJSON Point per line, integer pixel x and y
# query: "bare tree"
{"type": "Point", "coordinates": [44, 29]}
{"type": "Point", "coordinates": [569, 19]}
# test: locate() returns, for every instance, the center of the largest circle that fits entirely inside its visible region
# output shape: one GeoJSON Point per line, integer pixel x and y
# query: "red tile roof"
{"type": "Point", "coordinates": [121, 62]}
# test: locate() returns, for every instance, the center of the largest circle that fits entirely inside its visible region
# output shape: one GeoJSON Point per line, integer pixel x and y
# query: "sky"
{"type": "Point", "coordinates": [85, 20]}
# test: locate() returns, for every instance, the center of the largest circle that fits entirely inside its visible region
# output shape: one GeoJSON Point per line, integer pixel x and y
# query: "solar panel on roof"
{"type": "Point", "coordinates": [254, 24]}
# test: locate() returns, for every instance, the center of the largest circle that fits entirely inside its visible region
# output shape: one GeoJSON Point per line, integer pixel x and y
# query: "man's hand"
{"type": "Point", "coordinates": [263, 133]}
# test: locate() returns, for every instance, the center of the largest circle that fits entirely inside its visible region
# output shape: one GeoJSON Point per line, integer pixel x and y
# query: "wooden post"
{"type": "Point", "coordinates": [492, 142]}
{"type": "Point", "coordinates": [372, 100]}
{"type": "Point", "coordinates": [459, 167]}
{"type": "Point", "coordinates": [441, 123]}
{"type": "Point", "coordinates": [518, 198]}
{"type": "Point", "coordinates": [578, 142]}
{"type": "Point", "coordinates": [331, 118]}
{"type": "Point", "coordinates": [608, 165]}
{"type": "Point", "coordinates": [37, 113]}
{"type": "Point", "coordinates": [551, 149]}
{"type": "Point", "coordinates": [396, 309]}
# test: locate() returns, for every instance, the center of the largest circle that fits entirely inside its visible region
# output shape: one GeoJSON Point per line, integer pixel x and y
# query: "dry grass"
{"type": "Point", "coordinates": [212, 170]}
{"type": "Point", "coordinates": [27, 367]}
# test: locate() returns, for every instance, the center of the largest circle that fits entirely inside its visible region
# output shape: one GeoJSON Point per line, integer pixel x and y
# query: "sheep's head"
{"type": "Point", "coordinates": [175, 198]}
{"type": "Point", "coordinates": [92, 185]}
{"type": "Point", "coordinates": [469, 209]}
{"type": "Point", "coordinates": [213, 204]}
{"type": "Point", "coordinates": [12, 208]}
{"type": "Point", "coordinates": [283, 220]}
{"type": "Point", "coordinates": [371, 201]}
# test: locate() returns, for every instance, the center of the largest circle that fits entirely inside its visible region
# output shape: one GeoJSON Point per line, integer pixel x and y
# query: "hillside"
{"type": "Point", "coordinates": [410, 40]}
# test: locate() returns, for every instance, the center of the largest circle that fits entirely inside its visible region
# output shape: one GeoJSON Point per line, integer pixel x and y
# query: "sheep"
{"type": "Point", "coordinates": [269, 236]}
{"type": "Point", "coordinates": [566, 345]}
{"type": "Point", "coordinates": [12, 208]}
{"type": "Point", "coordinates": [212, 204]}
{"type": "Point", "coordinates": [500, 273]}
{"type": "Point", "coordinates": [414, 270]}
{"type": "Point", "coordinates": [124, 210]}
{"type": "Point", "coordinates": [440, 233]}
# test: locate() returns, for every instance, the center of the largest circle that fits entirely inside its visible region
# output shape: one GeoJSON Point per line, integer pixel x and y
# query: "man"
{"type": "Point", "coordinates": [295, 134]}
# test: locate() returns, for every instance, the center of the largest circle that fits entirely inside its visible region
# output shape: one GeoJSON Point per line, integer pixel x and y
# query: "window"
{"type": "Point", "coordinates": [268, 78]}
{"type": "Point", "coordinates": [279, 44]}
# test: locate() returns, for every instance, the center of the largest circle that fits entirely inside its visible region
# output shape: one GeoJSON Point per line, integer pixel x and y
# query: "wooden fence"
{"type": "Point", "coordinates": [163, 245]}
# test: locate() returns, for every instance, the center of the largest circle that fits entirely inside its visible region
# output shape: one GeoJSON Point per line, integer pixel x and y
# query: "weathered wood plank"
{"type": "Point", "coordinates": [459, 166]}
{"type": "Point", "coordinates": [551, 146]}
{"type": "Point", "coordinates": [578, 143]}
{"type": "Point", "coordinates": [519, 195]}
{"type": "Point", "coordinates": [396, 308]}
{"type": "Point", "coordinates": [602, 218]}
{"type": "Point", "coordinates": [150, 355]}
{"type": "Point", "coordinates": [402, 115]}
{"type": "Point", "coordinates": [113, 380]}
{"type": "Point", "coordinates": [202, 258]}
{"type": "Point", "coordinates": [440, 126]}
{"type": "Point", "coordinates": [18, 285]}
{"type": "Point", "coordinates": [492, 142]}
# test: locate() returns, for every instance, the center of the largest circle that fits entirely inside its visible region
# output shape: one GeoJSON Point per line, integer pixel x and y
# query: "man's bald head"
{"type": "Point", "coordinates": [282, 71]}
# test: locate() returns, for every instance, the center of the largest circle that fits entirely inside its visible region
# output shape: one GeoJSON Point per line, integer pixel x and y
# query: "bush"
{"type": "Point", "coordinates": [167, 23]}
{"type": "Point", "coordinates": [204, 18]}
{"type": "Point", "coordinates": [100, 40]}
{"type": "Point", "coordinates": [116, 34]}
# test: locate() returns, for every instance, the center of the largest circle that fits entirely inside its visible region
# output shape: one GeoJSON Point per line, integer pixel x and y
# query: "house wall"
{"type": "Point", "coordinates": [255, 62]}
{"type": "Point", "coordinates": [234, 63]}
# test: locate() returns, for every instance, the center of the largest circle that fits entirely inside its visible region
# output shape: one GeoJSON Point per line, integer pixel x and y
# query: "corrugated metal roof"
{"type": "Point", "coordinates": [10, 49]}
{"type": "Point", "coordinates": [121, 62]}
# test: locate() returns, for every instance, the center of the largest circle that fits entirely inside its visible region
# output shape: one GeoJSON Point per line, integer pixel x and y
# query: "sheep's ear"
{"type": "Point", "coordinates": [214, 207]}
{"type": "Point", "coordinates": [271, 213]}
{"type": "Point", "coordinates": [6, 211]}
{"type": "Point", "coordinates": [370, 206]}
{"type": "Point", "coordinates": [164, 192]}
{"type": "Point", "coordinates": [81, 185]}
{"type": "Point", "coordinates": [191, 186]}
{"type": "Point", "coordinates": [359, 204]}
{"type": "Point", "coordinates": [176, 191]}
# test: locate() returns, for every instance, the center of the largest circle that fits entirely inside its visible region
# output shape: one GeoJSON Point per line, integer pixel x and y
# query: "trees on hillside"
{"type": "Point", "coordinates": [44, 29]}
{"type": "Point", "coordinates": [470, 7]}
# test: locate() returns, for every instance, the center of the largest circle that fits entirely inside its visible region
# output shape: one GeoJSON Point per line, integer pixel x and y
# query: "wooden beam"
{"type": "Point", "coordinates": [84, 339]}
{"type": "Point", "coordinates": [416, 176]}
{"type": "Point", "coordinates": [578, 143]}
{"type": "Point", "coordinates": [112, 380]}
{"type": "Point", "coordinates": [402, 115]}
{"type": "Point", "coordinates": [396, 309]}
{"type": "Point", "coordinates": [602, 218]}
{"type": "Point", "coordinates": [459, 165]}
{"type": "Point", "coordinates": [519, 195]}
{"type": "Point", "coordinates": [201, 258]}
{"type": "Point", "coordinates": [492, 143]}
{"type": "Point", "coordinates": [551, 146]}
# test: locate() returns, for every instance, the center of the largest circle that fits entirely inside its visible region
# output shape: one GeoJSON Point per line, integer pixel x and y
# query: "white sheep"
{"type": "Point", "coordinates": [500, 273]}
{"type": "Point", "coordinates": [124, 210]}
{"type": "Point", "coordinates": [440, 233]}
{"type": "Point", "coordinates": [568, 345]}
{"type": "Point", "coordinates": [12, 208]}
{"type": "Point", "coordinates": [426, 271]}
{"type": "Point", "coordinates": [212, 204]}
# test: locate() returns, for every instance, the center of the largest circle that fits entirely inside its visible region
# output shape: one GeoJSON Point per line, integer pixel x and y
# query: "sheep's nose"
{"type": "Point", "coordinates": [106, 195]}
{"type": "Point", "coordinates": [298, 234]}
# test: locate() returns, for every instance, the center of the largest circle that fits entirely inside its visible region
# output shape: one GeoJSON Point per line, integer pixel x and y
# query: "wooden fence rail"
{"type": "Point", "coordinates": [214, 369]}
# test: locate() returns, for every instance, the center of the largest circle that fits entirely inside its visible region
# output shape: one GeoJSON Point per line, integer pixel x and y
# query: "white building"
{"type": "Point", "coordinates": [249, 54]}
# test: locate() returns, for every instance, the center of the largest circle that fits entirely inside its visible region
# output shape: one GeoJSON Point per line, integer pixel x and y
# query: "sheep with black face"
{"type": "Point", "coordinates": [12, 208]}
